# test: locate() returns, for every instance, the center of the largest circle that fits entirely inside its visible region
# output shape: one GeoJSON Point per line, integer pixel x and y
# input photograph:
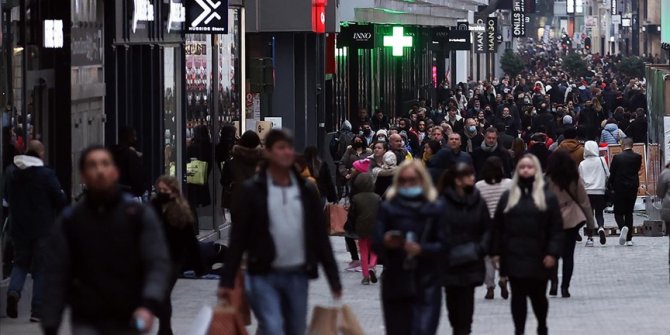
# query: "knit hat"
{"type": "Point", "coordinates": [250, 139]}
{"type": "Point", "coordinates": [382, 132]}
{"type": "Point", "coordinates": [567, 119]}
{"type": "Point", "coordinates": [362, 165]}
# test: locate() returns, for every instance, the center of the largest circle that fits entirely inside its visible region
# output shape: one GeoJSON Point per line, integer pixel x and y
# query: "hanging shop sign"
{"type": "Point", "coordinates": [479, 29]}
{"type": "Point", "coordinates": [53, 34]}
{"type": "Point", "coordinates": [319, 16]}
{"type": "Point", "coordinates": [462, 25]}
{"type": "Point", "coordinates": [616, 20]}
{"type": "Point", "coordinates": [357, 36]}
{"type": "Point", "coordinates": [177, 16]}
{"type": "Point", "coordinates": [143, 11]}
{"type": "Point", "coordinates": [398, 41]}
{"type": "Point", "coordinates": [459, 40]}
{"type": "Point", "coordinates": [519, 18]}
{"type": "Point", "coordinates": [491, 32]}
{"type": "Point", "coordinates": [207, 16]}
{"type": "Point", "coordinates": [441, 34]}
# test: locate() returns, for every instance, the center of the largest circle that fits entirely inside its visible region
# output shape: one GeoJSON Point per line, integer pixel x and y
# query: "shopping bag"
{"type": "Point", "coordinates": [336, 218]}
{"type": "Point", "coordinates": [324, 321]}
{"type": "Point", "coordinates": [200, 325]}
{"type": "Point", "coordinates": [349, 323]}
{"type": "Point", "coordinates": [239, 300]}
{"type": "Point", "coordinates": [226, 321]}
{"type": "Point", "coordinates": [196, 172]}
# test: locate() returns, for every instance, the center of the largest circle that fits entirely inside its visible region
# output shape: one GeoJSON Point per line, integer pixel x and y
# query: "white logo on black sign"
{"type": "Point", "coordinates": [362, 37]}
{"type": "Point", "coordinates": [208, 12]}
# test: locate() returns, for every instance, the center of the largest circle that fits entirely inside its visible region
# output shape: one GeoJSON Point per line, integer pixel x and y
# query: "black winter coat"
{"type": "Point", "coordinates": [250, 234]}
{"type": "Point", "coordinates": [479, 157]}
{"type": "Point", "coordinates": [524, 235]}
{"type": "Point", "coordinates": [410, 216]}
{"type": "Point", "coordinates": [467, 225]}
{"type": "Point", "coordinates": [131, 169]}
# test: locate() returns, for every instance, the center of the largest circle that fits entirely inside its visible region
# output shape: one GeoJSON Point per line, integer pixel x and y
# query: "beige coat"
{"type": "Point", "coordinates": [574, 212]}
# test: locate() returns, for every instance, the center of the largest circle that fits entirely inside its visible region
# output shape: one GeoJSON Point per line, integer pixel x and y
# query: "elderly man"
{"type": "Point", "coordinates": [397, 145]}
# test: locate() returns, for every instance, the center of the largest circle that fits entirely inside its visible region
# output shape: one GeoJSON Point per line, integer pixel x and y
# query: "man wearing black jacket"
{"type": "Point", "coordinates": [108, 258]}
{"type": "Point", "coordinates": [282, 233]}
{"type": "Point", "coordinates": [624, 180]}
{"type": "Point", "coordinates": [129, 163]}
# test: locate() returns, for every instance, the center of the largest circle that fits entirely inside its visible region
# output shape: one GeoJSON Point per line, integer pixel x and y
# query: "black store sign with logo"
{"type": "Point", "coordinates": [357, 36]}
{"type": "Point", "coordinates": [519, 18]}
{"type": "Point", "coordinates": [207, 16]}
{"type": "Point", "coordinates": [458, 40]}
{"type": "Point", "coordinates": [480, 36]}
{"type": "Point", "coordinates": [441, 34]}
{"type": "Point", "coordinates": [491, 32]}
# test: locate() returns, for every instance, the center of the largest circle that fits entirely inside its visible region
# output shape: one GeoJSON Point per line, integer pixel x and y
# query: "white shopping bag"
{"type": "Point", "coordinates": [200, 325]}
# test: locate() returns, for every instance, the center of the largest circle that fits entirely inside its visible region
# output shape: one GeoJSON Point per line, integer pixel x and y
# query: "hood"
{"type": "Point", "coordinates": [591, 149]}
{"type": "Point", "coordinates": [23, 162]}
{"type": "Point", "coordinates": [611, 127]}
{"type": "Point", "coordinates": [247, 154]}
{"type": "Point", "coordinates": [571, 145]}
{"type": "Point", "coordinates": [390, 160]}
{"type": "Point", "coordinates": [346, 125]}
{"type": "Point", "coordinates": [364, 183]}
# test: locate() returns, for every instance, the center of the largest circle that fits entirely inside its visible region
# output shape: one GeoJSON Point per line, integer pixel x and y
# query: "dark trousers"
{"type": "Point", "coordinates": [536, 290]}
{"type": "Point", "coordinates": [598, 205]}
{"type": "Point", "coordinates": [625, 220]}
{"type": "Point", "coordinates": [568, 257]}
{"type": "Point", "coordinates": [415, 316]}
{"type": "Point", "coordinates": [352, 248]}
{"type": "Point", "coordinates": [165, 313]}
{"type": "Point", "coordinates": [398, 316]}
{"type": "Point", "coordinates": [461, 307]}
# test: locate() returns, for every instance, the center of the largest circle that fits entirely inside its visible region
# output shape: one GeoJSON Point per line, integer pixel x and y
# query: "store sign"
{"type": "Point", "coordinates": [441, 34]}
{"type": "Point", "coordinates": [614, 6]}
{"type": "Point", "coordinates": [459, 40]}
{"type": "Point", "coordinates": [359, 36]}
{"type": "Point", "coordinates": [491, 32]}
{"type": "Point", "coordinates": [319, 16]}
{"type": "Point", "coordinates": [177, 15]}
{"type": "Point", "coordinates": [479, 29]}
{"type": "Point", "coordinates": [207, 16]}
{"type": "Point", "coordinates": [519, 18]}
{"type": "Point", "coordinates": [398, 41]}
{"type": "Point", "coordinates": [462, 25]}
{"type": "Point", "coordinates": [53, 33]}
{"type": "Point", "coordinates": [143, 11]}
{"type": "Point", "coordinates": [616, 20]}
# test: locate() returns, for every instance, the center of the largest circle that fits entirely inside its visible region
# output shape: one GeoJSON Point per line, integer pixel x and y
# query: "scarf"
{"type": "Point", "coordinates": [486, 148]}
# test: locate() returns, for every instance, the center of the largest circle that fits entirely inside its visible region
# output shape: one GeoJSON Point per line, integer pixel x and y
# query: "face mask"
{"type": "Point", "coordinates": [472, 129]}
{"type": "Point", "coordinates": [381, 139]}
{"type": "Point", "coordinates": [357, 145]}
{"type": "Point", "coordinates": [367, 132]}
{"type": "Point", "coordinates": [468, 189]}
{"type": "Point", "coordinates": [163, 198]}
{"type": "Point", "coordinates": [411, 191]}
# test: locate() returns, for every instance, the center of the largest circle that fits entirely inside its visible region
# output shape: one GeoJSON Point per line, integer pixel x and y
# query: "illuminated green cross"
{"type": "Point", "coordinates": [397, 41]}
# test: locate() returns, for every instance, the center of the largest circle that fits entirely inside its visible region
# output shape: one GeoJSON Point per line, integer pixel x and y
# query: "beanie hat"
{"type": "Point", "coordinates": [382, 132]}
{"type": "Point", "coordinates": [362, 165]}
{"type": "Point", "coordinates": [567, 119]}
{"type": "Point", "coordinates": [250, 139]}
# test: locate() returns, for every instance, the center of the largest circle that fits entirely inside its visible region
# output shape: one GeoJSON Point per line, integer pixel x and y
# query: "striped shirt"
{"type": "Point", "coordinates": [491, 193]}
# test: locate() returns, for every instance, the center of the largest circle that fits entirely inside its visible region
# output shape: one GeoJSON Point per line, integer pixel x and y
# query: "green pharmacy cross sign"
{"type": "Point", "coordinates": [398, 41]}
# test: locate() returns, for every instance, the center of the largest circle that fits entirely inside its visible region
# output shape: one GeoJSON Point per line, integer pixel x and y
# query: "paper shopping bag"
{"type": "Point", "coordinates": [196, 172]}
{"type": "Point", "coordinates": [336, 217]}
{"type": "Point", "coordinates": [348, 323]}
{"type": "Point", "coordinates": [200, 325]}
{"type": "Point", "coordinates": [324, 321]}
{"type": "Point", "coordinates": [226, 321]}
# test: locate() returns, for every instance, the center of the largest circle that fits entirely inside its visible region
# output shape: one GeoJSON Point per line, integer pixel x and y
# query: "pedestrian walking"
{"type": "Point", "coordinates": [245, 158]}
{"type": "Point", "coordinates": [200, 149]}
{"type": "Point", "coordinates": [280, 207]}
{"type": "Point", "coordinates": [467, 225]}
{"type": "Point", "coordinates": [625, 180]}
{"type": "Point", "coordinates": [383, 175]}
{"type": "Point", "coordinates": [363, 214]}
{"type": "Point", "coordinates": [108, 259]}
{"type": "Point", "coordinates": [129, 161]}
{"type": "Point", "coordinates": [491, 147]}
{"type": "Point", "coordinates": [447, 157]}
{"type": "Point", "coordinates": [594, 173]}
{"type": "Point", "coordinates": [528, 240]}
{"type": "Point", "coordinates": [663, 192]}
{"type": "Point", "coordinates": [35, 198]}
{"type": "Point", "coordinates": [175, 213]}
{"type": "Point", "coordinates": [491, 188]}
{"type": "Point", "coordinates": [563, 179]}
{"type": "Point", "coordinates": [410, 241]}
{"type": "Point", "coordinates": [321, 172]}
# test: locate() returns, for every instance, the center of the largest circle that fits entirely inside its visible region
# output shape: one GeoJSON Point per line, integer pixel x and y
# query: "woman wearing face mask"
{"type": "Point", "coordinates": [467, 225]}
{"type": "Point", "coordinates": [528, 237]}
{"type": "Point", "coordinates": [409, 239]}
{"type": "Point", "coordinates": [356, 151]}
{"type": "Point", "coordinates": [178, 221]}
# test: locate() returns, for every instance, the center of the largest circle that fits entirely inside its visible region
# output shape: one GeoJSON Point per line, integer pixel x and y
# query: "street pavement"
{"type": "Point", "coordinates": [615, 290]}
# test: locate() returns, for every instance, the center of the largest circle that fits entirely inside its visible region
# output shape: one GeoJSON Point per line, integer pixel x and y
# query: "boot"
{"type": "Point", "coordinates": [504, 292]}
{"type": "Point", "coordinates": [565, 292]}
{"type": "Point", "coordinates": [542, 331]}
{"type": "Point", "coordinates": [553, 289]}
{"type": "Point", "coordinates": [489, 294]}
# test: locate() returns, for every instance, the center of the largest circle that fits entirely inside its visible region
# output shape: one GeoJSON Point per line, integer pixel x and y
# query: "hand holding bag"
{"type": "Point", "coordinates": [196, 172]}
{"type": "Point", "coordinates": [336, 218]}
{"type": "Point", "coordinates": [334, 321]}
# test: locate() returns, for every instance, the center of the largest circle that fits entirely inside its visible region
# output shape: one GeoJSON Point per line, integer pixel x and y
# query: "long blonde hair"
{"type": "Point", "coordinates": [179, 215]}
{"type": "Point", "coordinates": [538, 187]}
{"type": "Point", "coordinates": [429, 191]}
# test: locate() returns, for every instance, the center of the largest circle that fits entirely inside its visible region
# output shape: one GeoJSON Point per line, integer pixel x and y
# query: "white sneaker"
{"type": "Point", "coordinates": [629, 243]}
{"type": "Point", "coordinates": [623, 235]}
{"type": "Point", "coordinates": [589, 242]}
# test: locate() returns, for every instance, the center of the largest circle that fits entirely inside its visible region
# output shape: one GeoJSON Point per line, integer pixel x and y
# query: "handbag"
{"type": "Point", "coordinates": [464, 254]}
{"type": "Point", "coordinates": [336, 218]}
{"type": "Point", "coordinates": [609, 193]}
{"type": "Point", "coordinates": [226, 321]}
{"type": "Point", "coordinates": [196, 172]}
{"type": "Point", "coordinates": [334, 321]}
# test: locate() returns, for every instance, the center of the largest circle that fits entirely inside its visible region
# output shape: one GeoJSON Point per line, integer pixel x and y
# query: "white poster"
{"type": "Point", "coordinates": [275, 121]}
{"type": "Point", "coordinates": [666, 139]}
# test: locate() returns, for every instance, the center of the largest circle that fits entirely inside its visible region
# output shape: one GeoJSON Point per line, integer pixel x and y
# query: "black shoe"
{"type": "Point", "coordinates": [373, 276]}
{"type": "Point", "coordinates": [565, 293]}
{"type": "Point", "coordinates": [490, 294]}
{"type": "Point", "coordinates": [34, 318]}
{"type": "Point", "coordinates": [13, 305]}
{"type": "Point", "coordinates": [504, 292]}
{"type": "Point", "coordinates": [553, 290]}
{"type": "Point", "coordinates": [579, 238]}
{"type": "Point", "coordinates": [603, 238]}
{"type": "Point", "coordinates": [542, 331]}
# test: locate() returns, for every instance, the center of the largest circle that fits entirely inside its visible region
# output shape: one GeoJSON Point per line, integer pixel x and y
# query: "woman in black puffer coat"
{"type": "Point", "coordinates": [528, 238]}
{"type": "Point", "coordinates": [467, 225]}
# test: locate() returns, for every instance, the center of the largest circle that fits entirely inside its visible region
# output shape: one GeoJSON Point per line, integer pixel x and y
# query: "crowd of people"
{"type": "Point", "coordinates": [499, 177]}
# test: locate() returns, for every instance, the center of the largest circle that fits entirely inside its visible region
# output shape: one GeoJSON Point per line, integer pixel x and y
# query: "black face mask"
{"type": "Point", "coordinates": [357, 145]}
{"type": "Point", "coordinates": [163, 198]}
{"type": "Point", "coordinates": [367, 132]}
{"type": "Point", "coordinates": [468, 189]}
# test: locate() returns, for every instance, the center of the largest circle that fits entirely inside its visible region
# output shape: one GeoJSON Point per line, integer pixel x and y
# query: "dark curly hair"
{"type": "Point", "coordinates": [561, 169]}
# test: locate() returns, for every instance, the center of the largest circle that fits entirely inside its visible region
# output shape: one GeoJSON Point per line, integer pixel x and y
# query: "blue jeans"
{"type": "Point", "coordinates": [279, 302]}
{"type": "Point", "coordinates": [29, 257]}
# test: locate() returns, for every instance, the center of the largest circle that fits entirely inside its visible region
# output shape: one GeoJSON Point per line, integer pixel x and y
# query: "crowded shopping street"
{"type": "Point", "coordinates": [334, 167]}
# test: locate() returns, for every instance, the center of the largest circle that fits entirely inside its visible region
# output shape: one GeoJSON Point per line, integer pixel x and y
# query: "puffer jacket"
{"type": "Point", "coordinates": [593, 170]}
{"type": "Point", "coordinates": [663, 192]}
{"type": "Point", "coordinates": [364, 205]}
{"type": "Point", "coordinates": [611, 134]}
{"type": "Point", "coordinates": [467, 224]}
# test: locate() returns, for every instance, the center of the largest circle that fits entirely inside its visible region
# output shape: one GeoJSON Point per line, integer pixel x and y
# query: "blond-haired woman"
{"type": "Point", "coordinates": [410, 240]}
{"type": "Point", "coordinates": [528, 239]}
{"type": "Point", "coordinates": [175, 213]}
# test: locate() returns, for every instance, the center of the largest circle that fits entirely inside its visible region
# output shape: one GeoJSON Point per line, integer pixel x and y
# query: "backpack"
{"type": "Point", "coordinates": [339, 143]}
